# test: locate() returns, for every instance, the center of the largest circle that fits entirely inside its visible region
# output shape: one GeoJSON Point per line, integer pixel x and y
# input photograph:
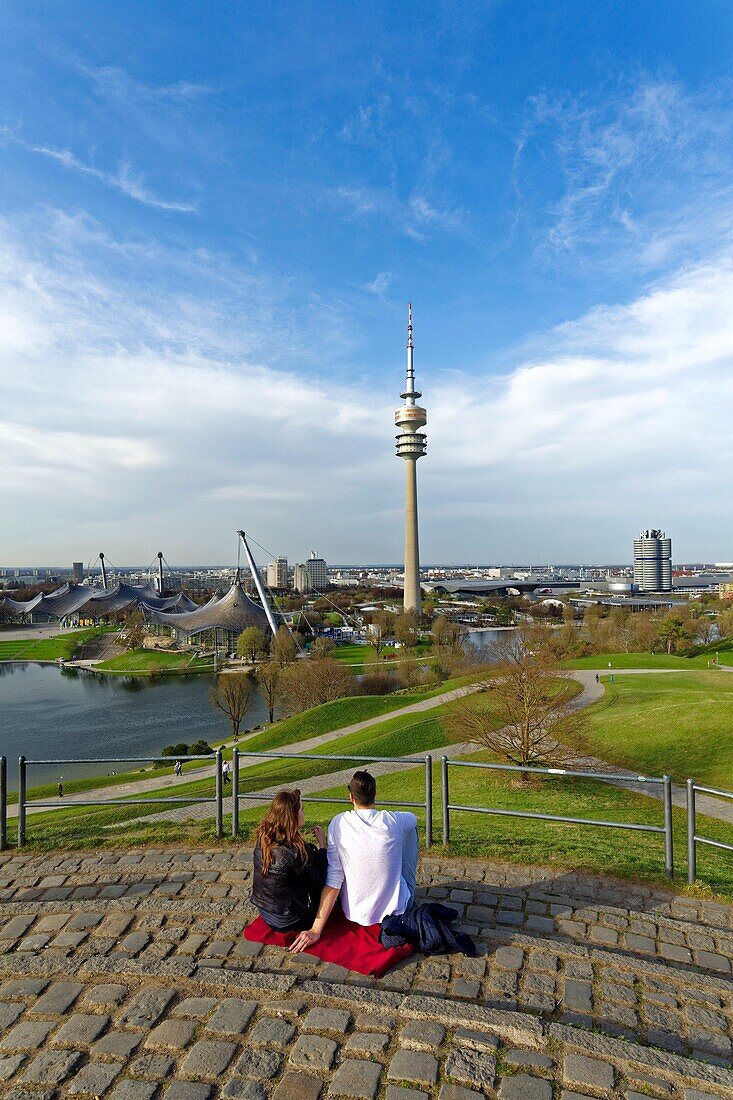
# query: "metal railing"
{"type": "Point", "coordinates": [448, 807]}
{"type": "Point", "coordinates": [427, 761]}
{"type": "Point", "coordinates": [24, 803]}
{"type": "Point", "coordinates": [562, 773]}
{"type": "Point", "coordinates": [3, 803]}
{"type": "Point", "coordinates": [693, 839]}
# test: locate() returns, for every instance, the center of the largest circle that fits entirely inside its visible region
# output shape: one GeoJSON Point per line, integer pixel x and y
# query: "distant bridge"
{"type": "Point", "coordinates": [469, 587]}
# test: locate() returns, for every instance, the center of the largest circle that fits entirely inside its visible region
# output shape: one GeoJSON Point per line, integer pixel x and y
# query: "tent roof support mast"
{"type": "Point", "coordinates": [258, 582]}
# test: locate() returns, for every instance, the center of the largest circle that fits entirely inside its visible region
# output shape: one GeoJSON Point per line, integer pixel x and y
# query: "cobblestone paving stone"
{"type": "Point", "coordinates": [125, 976]}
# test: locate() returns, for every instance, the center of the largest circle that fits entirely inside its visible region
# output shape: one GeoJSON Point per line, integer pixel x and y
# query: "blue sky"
{"type": "Point", "coordinates": [213, 217]}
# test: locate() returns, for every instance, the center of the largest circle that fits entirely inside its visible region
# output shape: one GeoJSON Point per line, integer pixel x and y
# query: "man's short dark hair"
{"type": "Point", "coordinates": [363, 788]}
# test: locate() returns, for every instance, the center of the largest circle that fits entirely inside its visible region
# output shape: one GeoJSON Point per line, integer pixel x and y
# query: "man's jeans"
{"type": "Point", "coordinates": [410, 849]}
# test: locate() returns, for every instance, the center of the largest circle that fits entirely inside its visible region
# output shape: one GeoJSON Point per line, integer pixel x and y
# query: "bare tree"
{"type": "Point", "coordinates": [527, 716]}
{"type": "Point", "coordinates": [309, 683]}
{"type": "Point", "coordinates": [447, 637]}
{"type": "Point", "coordinates": [268, 679]}
{"type": "Point", "coordinates": [725, 623]}
{"type": "Point", "coordinates": [284, 650]}
{"type": "Point", "coordinates": [133, 631]}
{"type": "Point", "coordinates": [382, 626]}
{"type": "Point", "coordinates": [407, 629]}
{"type": "Point", "coordinates": [323, 647]}
{"type": "Point", "coordinates": [232, 695]}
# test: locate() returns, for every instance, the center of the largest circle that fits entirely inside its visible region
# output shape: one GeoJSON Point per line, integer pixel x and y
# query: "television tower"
{"type": "Point", "coordinates": [411, 445]}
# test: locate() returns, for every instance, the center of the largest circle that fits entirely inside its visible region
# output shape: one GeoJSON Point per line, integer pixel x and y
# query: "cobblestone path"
{"type": "Point", "coordinates": [125, 975]}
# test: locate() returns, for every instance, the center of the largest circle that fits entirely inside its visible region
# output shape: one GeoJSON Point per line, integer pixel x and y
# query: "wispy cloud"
{"type": "Point", "coordinates": [116, 85]}
{"type": "Point", "coordinates": [642, 167]}
{"type": "Point", "coordinates": [416, 217]}
{"type": "Point", "coordinates": [380, 284]}
{"type": "Point", "coordinates": [124, 179]}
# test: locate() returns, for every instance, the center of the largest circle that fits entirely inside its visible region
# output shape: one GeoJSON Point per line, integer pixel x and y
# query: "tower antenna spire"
{"type": "Point", "coordinates": [409, 394]}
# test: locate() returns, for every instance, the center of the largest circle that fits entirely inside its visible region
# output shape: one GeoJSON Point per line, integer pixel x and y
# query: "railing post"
{"type": "Point", "coordinates": [428, 801]}
{"type": "Point", "coordinates": [219, 796]}
{"type": "Point", "coordinates": [668, 841]}
{"type": "Point", "coordinates": [446, 800]}
{"type": "Point", "coordinates": [21, 801]}
{"type": "Point", "coordinates": [235, 793]}
{"type": "Point", "coordinates": [691, 829]}
{"type": "Point", "coordinates": [3, 803]}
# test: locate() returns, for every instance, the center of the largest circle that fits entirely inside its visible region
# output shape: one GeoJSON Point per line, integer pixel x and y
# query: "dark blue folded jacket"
{"type": "Point", "coordinates": [427, 927]}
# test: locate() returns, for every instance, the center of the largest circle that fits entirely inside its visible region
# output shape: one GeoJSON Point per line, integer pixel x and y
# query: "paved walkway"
{"type": "Point", "coordinates": [716, 808]}
{"type": "Point", "coordinates": [124, 975]}
{"type": "Point", "coordinates": [166, 782]}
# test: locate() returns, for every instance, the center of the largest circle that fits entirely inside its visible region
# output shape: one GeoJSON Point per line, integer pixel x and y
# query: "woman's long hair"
{"type": "Point", "coordinates": [279, 826]}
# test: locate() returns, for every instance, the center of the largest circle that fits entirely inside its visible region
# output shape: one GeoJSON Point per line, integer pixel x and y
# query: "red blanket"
{"type": "Point", "coordinates": [342, 942]}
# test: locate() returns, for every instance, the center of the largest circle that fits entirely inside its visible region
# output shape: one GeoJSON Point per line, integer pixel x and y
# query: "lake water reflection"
{"type": "Point", "coordinates": [52, 713]}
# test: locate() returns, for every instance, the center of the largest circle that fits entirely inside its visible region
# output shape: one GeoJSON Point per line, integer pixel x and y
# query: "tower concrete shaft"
{"type": "Point", "coordinates": [411, 445]}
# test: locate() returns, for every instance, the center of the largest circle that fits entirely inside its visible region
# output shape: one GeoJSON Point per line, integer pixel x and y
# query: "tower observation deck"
{"type": "Point", "coordinates": [411, 444]}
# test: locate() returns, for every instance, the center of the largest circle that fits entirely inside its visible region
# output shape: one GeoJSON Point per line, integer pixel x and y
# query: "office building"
{"type": "Point", "coordinates": [77, 572]}
{"type": "Point", "coordinates": [277, 573]}
{"type": "Point", "coordinates": [653, 561]}
{"type": "Point", "coordinates": [300, 578]}
{"type": "Point", "coordinates": [317, 572]}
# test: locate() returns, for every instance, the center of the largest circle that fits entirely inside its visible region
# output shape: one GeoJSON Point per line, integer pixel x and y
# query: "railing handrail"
{"type": "Point", "coordinates": [238, 796]}
{"type": "Point", "coordinates": [332, 756]}
{"type": "Point", "coordinates": [713, 790]}
{"type": "Point", "coordinates": [560, 773]}
{"type": "Point", "coordinates": [24, 802]}
{"type": "Point", "coordinates": [123, 759]}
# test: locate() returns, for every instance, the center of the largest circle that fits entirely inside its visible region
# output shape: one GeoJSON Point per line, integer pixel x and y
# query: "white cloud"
{"type": "Point", "coordinates": [139, 421]}
{"type": "Point", "coordinates": [124, 179]}
{"type": "Point", "coordinates": [641, 170]}
{"type": "Point", "coordinates": [380, 284]}
{"type": "Point", "coordinates": [416, 217]}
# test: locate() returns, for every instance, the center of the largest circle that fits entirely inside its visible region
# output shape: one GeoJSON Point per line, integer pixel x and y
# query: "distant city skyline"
{"type": "Point", "coordinates": [212, 225]}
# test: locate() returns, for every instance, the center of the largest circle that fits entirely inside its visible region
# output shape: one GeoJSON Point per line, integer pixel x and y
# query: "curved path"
{"type": "Point", "coordinates": [592, 692]}
{"type": "Point", "coordinates": [168, 782]}
{"type": "Point", "coordinates": [717, 809]}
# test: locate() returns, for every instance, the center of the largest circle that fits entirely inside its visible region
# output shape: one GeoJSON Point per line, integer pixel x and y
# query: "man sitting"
{"type": "Point", "coordinates": [372, 862]}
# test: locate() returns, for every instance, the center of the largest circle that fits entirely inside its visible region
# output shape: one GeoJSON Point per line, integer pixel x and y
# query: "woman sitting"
{"type": "Point", "coordinates": [288, 872]}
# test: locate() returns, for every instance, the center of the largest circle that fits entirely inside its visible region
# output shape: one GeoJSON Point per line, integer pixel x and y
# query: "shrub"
{"type": "Point", "coordinates": [378, 683]}
{"type": "Point", "coordinates": [201, 748]}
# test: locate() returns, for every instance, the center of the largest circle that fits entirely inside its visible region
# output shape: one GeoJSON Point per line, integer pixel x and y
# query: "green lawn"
{"type": "Point", "coordinates": [638, 660]}
{"type": "Point", "coordinates": [141, 662]}
{"type": "Point", "coordinates": [339, 713]}
{"type": "Point", "coordinates": [673, 724]}
{"type": "Point", "coordinates": [575, 848]}
{"type": "Point", "coordinates": [48, 649]}
{"type": "Point", "coordinates": [629, 854]}
{"type": "Point", "coordinates": [352, 654]}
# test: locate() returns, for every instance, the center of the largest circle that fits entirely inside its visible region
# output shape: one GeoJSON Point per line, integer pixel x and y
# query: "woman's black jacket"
{"type": "Point", "coordinates": [287, 896]}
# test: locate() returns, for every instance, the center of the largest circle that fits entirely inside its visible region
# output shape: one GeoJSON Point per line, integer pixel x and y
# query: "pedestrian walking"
{"type": "Point", "coordinates": [598, 679]}
{"type": "Point", "coordinates": [61, 789]}
{"type": "Point", "coordinates": [225, 771]}
{"type": "Point", "coordinates": [177, 767]}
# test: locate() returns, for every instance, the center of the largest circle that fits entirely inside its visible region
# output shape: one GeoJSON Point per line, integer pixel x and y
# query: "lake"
{"type": "Point", "coordinates": [50, 713]}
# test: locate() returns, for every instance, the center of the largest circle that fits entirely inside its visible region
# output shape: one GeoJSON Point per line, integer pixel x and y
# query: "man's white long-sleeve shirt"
{"type": "Point", "coordinates": [365, 863]}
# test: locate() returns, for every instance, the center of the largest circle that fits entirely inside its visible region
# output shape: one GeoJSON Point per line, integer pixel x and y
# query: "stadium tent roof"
{"type": "Point", "coordinates": [123, 595]}
{"type": "Point", "coordinates": [94, 601]}
{"type": "Point", "coordinates": [20, 607]}
{"type": "Point", "coordinates": [234, 611]}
